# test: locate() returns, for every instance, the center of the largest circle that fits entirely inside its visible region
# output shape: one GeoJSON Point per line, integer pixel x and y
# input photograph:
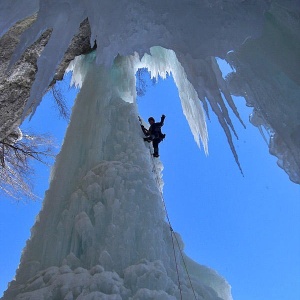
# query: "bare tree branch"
{"type": "Point", "coordinates": [61, 103]}
{"type": "Point", "coordinates": [17, 150]}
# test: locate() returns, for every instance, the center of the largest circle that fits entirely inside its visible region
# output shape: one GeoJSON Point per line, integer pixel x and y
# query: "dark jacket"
{"type": "Point", "coordinates": [155, 129]}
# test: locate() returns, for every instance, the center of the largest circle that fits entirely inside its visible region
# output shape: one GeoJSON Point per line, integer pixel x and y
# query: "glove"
{"type": "Point", "coordinates": [163, 116]}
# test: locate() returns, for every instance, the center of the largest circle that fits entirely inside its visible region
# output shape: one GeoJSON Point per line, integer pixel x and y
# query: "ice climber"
{"type": "Point", "coordinates": [154, 134]}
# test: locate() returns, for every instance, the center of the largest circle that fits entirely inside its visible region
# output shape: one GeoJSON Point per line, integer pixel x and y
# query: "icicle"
{"type": "Point", "coordinates": [224, 89]}
{"type": "Point", "coordinates": [208, 82]}
{"type": "Point", "coordinates": [256, 119]}
{"type": "Point", "coordinates": [163, 61]}
{"type": "Point", "coordinates": [224, 125]}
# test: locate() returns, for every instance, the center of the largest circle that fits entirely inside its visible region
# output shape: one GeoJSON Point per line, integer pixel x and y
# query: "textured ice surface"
{"type": "Point", "coordinates": [267, 75]}
{"type": "Point", "coordinates": [102, 232]}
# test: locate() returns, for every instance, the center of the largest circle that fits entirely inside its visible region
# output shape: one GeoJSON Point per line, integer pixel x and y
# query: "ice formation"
{"type": "Point", "coordinates": [267, 76]}
{"type": "Point", "coordinates": [123, 28]}
{"type": "Point", "coordinates": [102, 232]}
{"type": "Point", "coordinates": [197, 31]}
{"type": "Point", "coordinates": [161, 62]}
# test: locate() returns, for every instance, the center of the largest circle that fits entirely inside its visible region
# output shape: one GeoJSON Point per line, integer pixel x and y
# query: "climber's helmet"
{"type": "Point", "coordinates": [151, 120]}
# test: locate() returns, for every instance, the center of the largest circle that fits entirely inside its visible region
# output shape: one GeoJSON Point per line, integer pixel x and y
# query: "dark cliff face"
{"type": "Point", "coordinates": [16, 82]}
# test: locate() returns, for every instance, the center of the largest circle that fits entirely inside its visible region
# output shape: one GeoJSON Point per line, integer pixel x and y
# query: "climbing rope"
{"type": "Point", "coordinates": [173, 235]}
{"type": "Point", "coordinates": [185, 266]}
{"type": "Point", "coordinates": [176, 264]}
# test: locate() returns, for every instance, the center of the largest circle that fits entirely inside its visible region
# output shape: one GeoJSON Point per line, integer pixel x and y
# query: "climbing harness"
{"type": "Point", "coordinates": [173, 235]}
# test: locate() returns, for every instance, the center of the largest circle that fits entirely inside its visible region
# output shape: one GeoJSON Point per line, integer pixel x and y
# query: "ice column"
{"type": "Point", "coordinates": [102, 233]}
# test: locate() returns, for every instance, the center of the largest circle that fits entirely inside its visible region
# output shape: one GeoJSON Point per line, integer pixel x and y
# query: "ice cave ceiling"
{"type": "Point", "coordinates": [260, 39]}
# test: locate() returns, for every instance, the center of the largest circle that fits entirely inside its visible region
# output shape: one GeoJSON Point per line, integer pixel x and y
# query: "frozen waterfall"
{"type": "Point", "coordinates": [102, 232]}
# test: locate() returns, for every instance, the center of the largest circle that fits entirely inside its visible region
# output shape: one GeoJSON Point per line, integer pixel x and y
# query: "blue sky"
{"type": "Point", "coordinates": [246, 228]}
